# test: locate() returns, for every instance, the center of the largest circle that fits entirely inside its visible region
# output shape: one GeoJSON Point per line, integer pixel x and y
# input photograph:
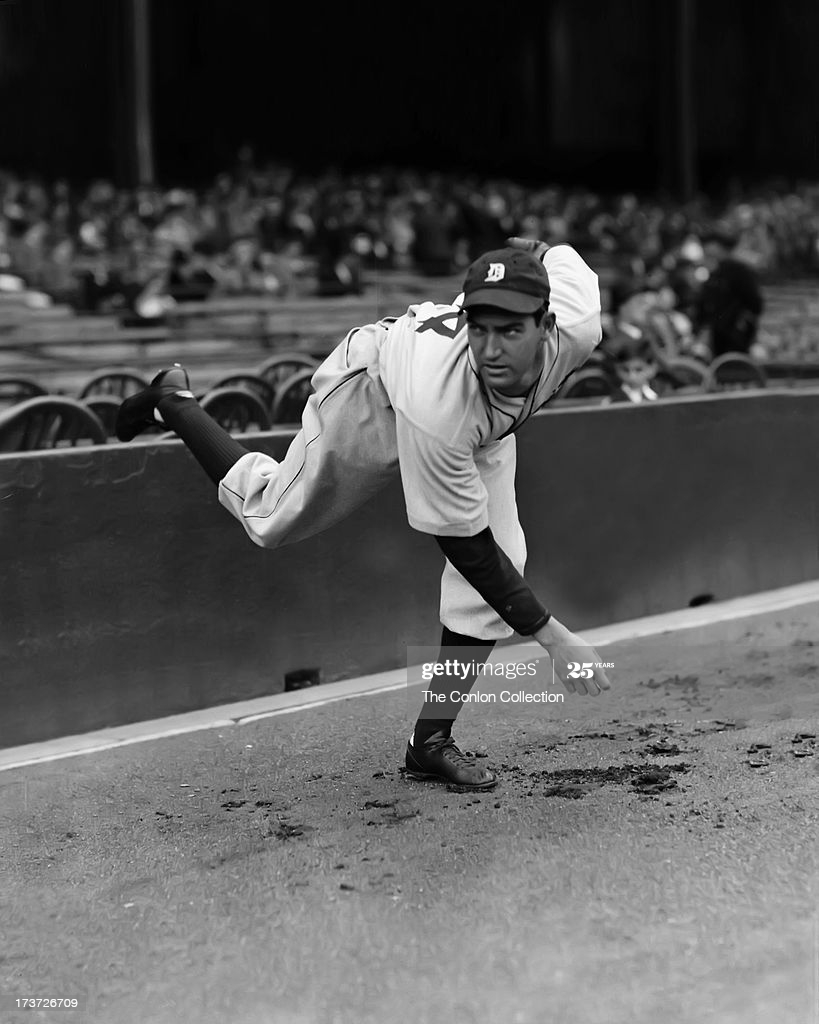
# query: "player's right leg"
{"type": "Point", "coordinates": [344, 453]}
{"type": "Point", "coordinates": [168, 400]}
{"type": "Point", "coordinates": [138, 412]}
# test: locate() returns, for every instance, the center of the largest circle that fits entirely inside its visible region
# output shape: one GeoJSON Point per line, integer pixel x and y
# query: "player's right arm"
{"type": "Point", "coordinates": [446, 497]}
{"type": "Point", "coordinates": [486, 567]}
{"type": "Point", "coordinates": [564, 647]}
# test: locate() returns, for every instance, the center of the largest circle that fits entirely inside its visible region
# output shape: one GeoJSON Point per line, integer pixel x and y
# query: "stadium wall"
{"type": "Point", "coordinates": [130, 594]}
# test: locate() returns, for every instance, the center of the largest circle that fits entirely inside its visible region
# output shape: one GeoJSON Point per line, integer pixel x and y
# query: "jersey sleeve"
{"type": "Point", "coordinates": [575, 290]}
{"type": "Point", "coordinates": [443, 489]}
{"type": "Point", "coordinates": [575, 301]}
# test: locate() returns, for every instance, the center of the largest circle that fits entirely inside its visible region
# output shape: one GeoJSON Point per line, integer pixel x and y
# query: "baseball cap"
{"type": "Point", "coordinates": [508, 279]}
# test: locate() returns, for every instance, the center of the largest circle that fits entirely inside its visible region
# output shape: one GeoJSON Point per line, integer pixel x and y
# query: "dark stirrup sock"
{"type": "Point", "coordinates": [426, 725]}
{"type": "Point", "coordinates": [212, 446]}
{"type": "Point", "coordinates": [449, 638]}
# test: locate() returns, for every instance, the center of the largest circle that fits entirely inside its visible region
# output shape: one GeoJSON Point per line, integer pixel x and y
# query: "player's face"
{"type": "Point", "coordinates": [507, 348]}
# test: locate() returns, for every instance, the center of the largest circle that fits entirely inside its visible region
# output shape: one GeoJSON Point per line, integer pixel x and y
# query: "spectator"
{"type": "Point", "coordinates": [339, 265]}
{"type": "Point", "coordinates": [264, 225]}
{"type": "Point", "coordinates": [730, 302]}
{"type": "Point", "coordinates": [185, 278]}
{"type": "Point", "coordinates": [684, 280]}
{"type": "Point", "coordinates": [433, 250]}
{"type": "Point", "coordinates": [399, 231]}
{"type": "Point", "coordinates": [482, 218]}
{"type": "Point", "coordinates": [632, 361]}
{"type": "Point", "coordinates": [188, 278]}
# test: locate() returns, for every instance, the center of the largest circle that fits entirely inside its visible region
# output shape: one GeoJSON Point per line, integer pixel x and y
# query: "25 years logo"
{"type": "Point", "coordinates": [585, 670]}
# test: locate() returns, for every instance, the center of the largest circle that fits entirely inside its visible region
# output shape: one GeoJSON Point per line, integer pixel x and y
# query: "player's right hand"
{"type": "Point", "coordinates": [532, 245]}
{"type": "Point", "coordinates": [571, 654]}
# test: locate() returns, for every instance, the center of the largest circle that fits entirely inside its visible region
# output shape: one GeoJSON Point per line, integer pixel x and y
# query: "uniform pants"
{"type": "Point", "coordinates": [344, 453]}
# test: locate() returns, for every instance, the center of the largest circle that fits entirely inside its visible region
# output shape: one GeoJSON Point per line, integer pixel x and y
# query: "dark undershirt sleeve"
{"type": "Point", "coordinates": [487, 568]}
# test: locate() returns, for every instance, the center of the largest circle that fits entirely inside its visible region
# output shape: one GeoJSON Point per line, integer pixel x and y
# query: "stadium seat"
{"type": "Point", "coordinates": [681, 374]}
{"type": "Point", "coordinates": [292, 396]}
{"type": "Point", "coordinates": [278, 368]}
{"type": "Point", "coordinates": [588, 383]}
{"type": "Point", "coordinates": [734, 370]}
{"type": "Point", "coordinates": [120, 382]}
{"type": "Point", "coordinates": [18, 389]}
{"type": "Point", "coordinates": [105, 408]}
{"type": "Point", "coordinates": [49, 421]}
{"type": "Point", "coordinates": [597, 359]}
{"type": "Point", "coordinates": [251, 382]}
{"type": "Point", "coordinates": [237, 409]}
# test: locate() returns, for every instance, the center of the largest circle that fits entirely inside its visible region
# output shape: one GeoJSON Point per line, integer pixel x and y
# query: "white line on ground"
{"type": "Point", "coordinates": [243, 712]}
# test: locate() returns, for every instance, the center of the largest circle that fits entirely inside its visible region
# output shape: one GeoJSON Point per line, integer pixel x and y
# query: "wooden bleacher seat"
{"type": "Point", "coordinates": [291, 397]}
{"type": "Point", "coordinates": [252, 382]}
{"type": "Point", "coordinates": [237, 409]}
{"type": "Point", "coordinates": [735, 370]}
{"type": "Point", "coordinates": [49, 421]}
{"type": "Point", "coordinates": [280, 367]}
{"type": "Point", "coordinates": [120, 382]}
{"type": "Point", "coordinates": [588, 383]}
{"type": "Point", "coordinates": [17, 389]}
{"type": "Point", "coordinates": [105, 408]}
{"type": "Point", "coordinates": [681, 373]}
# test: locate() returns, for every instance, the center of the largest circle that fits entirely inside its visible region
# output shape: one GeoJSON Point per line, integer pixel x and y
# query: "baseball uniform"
{"type": "Point", "coordinates": [403, 396]}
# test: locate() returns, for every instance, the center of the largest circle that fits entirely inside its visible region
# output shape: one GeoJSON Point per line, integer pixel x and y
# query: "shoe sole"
{"type": "Point", "coordinates": [126, 427]}
{"type": "Point", "coordinates": [428, 777]}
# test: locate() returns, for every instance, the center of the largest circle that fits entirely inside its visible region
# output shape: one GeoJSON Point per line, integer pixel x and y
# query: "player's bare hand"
{"type": "Point", "coordinates": [532, 245]}
{"type": "Point", "coordinates": [577, 664]}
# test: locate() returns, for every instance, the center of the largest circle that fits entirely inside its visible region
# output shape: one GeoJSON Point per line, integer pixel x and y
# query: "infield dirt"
{"type": "Point", "coordinates": [649, 855]}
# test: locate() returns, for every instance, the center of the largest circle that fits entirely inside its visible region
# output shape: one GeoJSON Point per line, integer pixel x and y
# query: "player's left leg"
{"type": "Point", "coordinates": [463, 610]}
{"type": "Point", "coordinates": [431, 752]}
{"type": "Point", "coordinates": [471, 629]}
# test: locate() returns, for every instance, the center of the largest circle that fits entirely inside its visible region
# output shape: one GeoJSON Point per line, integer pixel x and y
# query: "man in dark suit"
{"type": "Point", "coordinates": [730, 302]}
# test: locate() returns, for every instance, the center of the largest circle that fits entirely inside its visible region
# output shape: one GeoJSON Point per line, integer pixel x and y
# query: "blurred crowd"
{"type": "Point", "coordinates": [267, 230]}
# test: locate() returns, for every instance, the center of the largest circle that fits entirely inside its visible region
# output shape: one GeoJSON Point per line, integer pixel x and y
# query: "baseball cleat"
{"type": "Point", "coordinates": [438, 759]}
{"type": "Point", "coordinates": [137, 413]}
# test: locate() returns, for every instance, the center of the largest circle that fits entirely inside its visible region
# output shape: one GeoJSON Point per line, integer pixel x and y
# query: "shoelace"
{"type": "Point", "coordinates": [453, 752]}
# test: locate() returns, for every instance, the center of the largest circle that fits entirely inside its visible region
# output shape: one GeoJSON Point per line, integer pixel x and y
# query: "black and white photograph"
{"type": "Point", "coordinates": [409, 512]}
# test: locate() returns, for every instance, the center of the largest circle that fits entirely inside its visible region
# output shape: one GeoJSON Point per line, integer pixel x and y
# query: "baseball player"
{"type": "Point", "coordinates": [435, 395]}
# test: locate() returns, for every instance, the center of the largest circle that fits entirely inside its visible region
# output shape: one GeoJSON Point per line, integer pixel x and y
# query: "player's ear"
{"type": "Point", "coordinates": [545, 319]}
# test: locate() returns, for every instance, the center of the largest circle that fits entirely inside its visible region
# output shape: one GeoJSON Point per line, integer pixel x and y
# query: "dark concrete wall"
{"type": "Point", "coordinates": [128, 593]}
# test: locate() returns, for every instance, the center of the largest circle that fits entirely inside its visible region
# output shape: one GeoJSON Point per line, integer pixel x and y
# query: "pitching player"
{"type": "Point", "coordinates": [435, 395]}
